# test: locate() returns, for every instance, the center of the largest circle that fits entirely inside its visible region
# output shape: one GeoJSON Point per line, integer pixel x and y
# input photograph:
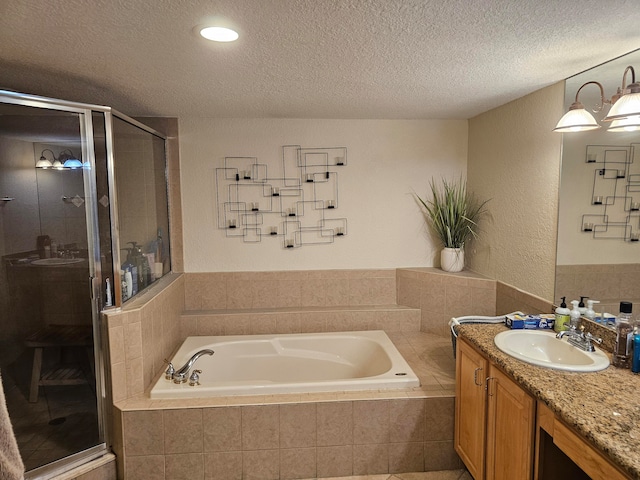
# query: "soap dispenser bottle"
{"type": "Point", "coordinates": [622, 353]}
{"type": "Point", "coordinates": [581, 306]}
{"type": "Point", "coordinates": [562, 317]}
{"type": "Point", "coordinates": [591, 313]}
{"type": "Point", "coordinates": [575, 314]}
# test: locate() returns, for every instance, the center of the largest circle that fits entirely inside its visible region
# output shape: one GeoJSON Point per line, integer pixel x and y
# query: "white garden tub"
{"type": "Point", "coordinates": [294, 363]}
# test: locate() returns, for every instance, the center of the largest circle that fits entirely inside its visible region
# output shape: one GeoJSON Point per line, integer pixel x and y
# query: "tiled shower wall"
{"type": "Point", "coordinates": [143, 334]}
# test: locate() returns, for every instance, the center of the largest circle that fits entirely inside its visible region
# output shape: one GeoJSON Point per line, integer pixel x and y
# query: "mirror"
{"type": "Point", "coordinates": [599, 205]}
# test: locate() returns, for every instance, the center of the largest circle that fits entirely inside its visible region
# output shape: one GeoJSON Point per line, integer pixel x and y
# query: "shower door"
{"type": "Point", "coordinates": [55, 249]}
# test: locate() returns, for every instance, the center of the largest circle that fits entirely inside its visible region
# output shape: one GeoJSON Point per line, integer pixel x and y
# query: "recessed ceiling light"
{"type": "Point", "coordinates": [219, 34]}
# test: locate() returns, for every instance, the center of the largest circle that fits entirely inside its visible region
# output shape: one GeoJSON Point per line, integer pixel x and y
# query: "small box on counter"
{"type": "Point", "coordinates": [543, 321]}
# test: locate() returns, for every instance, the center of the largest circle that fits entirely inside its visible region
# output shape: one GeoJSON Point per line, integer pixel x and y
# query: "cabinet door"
{"type": "Point", "coordinates": [510, 429]}
{"type": "Point", "coordinates": [471, 402]}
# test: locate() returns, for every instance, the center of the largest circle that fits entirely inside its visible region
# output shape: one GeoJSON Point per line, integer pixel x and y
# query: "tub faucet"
{"type": "Point", "coordinates": [182, 374]}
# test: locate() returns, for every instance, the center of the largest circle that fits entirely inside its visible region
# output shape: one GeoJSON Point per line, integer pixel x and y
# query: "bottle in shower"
{"type": "Point", "coordinates": [623, 350]}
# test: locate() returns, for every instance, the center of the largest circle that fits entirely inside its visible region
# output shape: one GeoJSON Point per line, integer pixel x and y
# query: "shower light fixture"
{"type": "Point", "coordinates": [624, 113]}
{"type": "Point", "coordinates": [219, 34]}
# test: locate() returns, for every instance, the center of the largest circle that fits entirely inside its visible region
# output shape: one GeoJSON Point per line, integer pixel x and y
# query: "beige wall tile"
{"type": "Point", "coordinates": [149, 467]}
{"type": "Point", "coordinates": [264, 293]}
{"type": "Point", "coordinates": [237, 325]}
{"type": "Point", "coordinates": [119, 382]}
{"type": "Point", "coordinates": [132, 340]}
{"type": "Point", "coordinates": [222, 429]}
{"type": "Point", "coordinates": [298, 426]}
{"type": "Point", "coordinates": [214, 296]}
{"type": "Point", "coordinates": [335, 423]}
{"type": "Point", "coordinates": [288, 322]}
{"type": "Point", "coordinates": [116, 345]}
{"type": "Point", "coordinates": [263, 324]}
{"type": "Point", "coordinates": [183, 430]}
{"type": "Point", "coordinates": [143, 433]}
{"type": "Point", "coordinates": [261, 465]}
{"type": "Point", "coordinates": [335, 461]}
{"type": "Point", "coordinates": [337, 292]}
{"type": "Point", "coordinates": [371, 421]}
{"type": "Point", "coordinates": [313, 292]}
{"type": "Point", "coordinates": [407, 417]}
{"type": "Point", "coordinates": [440, 456]}
{"type": "Point", "coordinates": [211, 325]}
{"type": "Point", "coordinates": [223, 466]}
{"type": "Point", "coordinates": [289, 293]}
{"type": "Point", "coordinates": [406, 457]}
{"type": "Point", "coordinates": [184, 466]}
{"type": "Point", "coordinates": [260, 427]}
{"type": "Point", "coordinates": [135, 377]}
{"type": "Point", "coordinates": [297, 463]}
{"type": "Point", "coordinates": [370, 459]}
{"type": "Point", "coordinates": [439, 418]}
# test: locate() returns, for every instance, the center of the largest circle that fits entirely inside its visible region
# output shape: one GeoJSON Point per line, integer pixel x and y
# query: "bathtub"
{"type": "Point", "coordinates": [290, 363]}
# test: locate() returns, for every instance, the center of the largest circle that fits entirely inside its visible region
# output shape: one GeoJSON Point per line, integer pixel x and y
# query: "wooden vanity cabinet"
{"type": "Point", "coordinates": [494, 419]}
{"type": "Point", "coordinates": [563, 454]}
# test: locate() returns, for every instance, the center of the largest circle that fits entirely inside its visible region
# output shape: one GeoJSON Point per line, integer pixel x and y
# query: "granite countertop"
{"type": "Point", "coordinates": [604, 407]}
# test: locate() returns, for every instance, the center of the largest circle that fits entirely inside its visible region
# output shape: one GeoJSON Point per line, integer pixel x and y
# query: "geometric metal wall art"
{"type": "Point", "coordinates": [616, 192]}
{"type": "Point", "coordinates": [295, 204]}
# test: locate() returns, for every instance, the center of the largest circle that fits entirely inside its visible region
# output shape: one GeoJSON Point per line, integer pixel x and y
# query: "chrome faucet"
{"type": "Point", "coordinates": [579, 339]}
{"type": "Point", "coordinates": [182, 374]}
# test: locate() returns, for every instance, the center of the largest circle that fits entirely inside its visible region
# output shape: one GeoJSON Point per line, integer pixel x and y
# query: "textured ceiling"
{"type": "Point", "coordinates": [307, 58]}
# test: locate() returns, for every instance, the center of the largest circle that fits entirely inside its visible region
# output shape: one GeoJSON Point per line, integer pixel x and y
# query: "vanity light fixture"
{"type": "Point", "coordinates": [44, 162]}
{"type": "Point", "coordinates": [69, 160]}
{"type": "Point", "coordinates": [628, 104]}
{"type": "Point", "coordinates": [624, 113]}
{"type": "Point", "coordinates": [577, 119]}
{"type": "Point", "coordinates": [66, 160]}
{"type": "Point", "coordinates": [219, 34]}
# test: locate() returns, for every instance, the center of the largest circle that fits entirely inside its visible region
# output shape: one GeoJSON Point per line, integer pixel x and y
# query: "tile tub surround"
{"type": "Point", "coordinates": [600, 406]}
{"type": "Point", "coordinates": [441, 295]}
{"type": "Point", "coordinates": [285, 289]}
{"type": "Point", "coordinates": [299, 436]}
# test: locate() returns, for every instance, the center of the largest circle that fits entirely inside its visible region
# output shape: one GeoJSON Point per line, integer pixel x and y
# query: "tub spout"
{"type": "Point", "coordinates": [181, 375]}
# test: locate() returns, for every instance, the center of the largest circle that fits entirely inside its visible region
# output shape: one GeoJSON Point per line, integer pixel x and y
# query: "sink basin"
{"type": "Point", "coordinates": [56, 261]}
{"type": "Point", "coordinates": [545, 350]}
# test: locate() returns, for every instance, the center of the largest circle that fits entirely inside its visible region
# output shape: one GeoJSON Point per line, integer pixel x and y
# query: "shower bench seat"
{"type": "Point", "coordinates": [59, 336]}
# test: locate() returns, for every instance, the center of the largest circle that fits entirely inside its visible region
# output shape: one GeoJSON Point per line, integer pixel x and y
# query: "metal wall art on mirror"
{"type": "Point", "coordinates": [297, 206]}
{"type": "Point", "coordinates": [615, 197]}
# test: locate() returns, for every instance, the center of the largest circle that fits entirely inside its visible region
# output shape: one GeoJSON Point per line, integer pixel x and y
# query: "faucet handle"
{"type": "Point", "coordinates": [591, 338]}
{"type": "Point", "coordinates": [194, 379]}
{"type": "Point", "coordinates": [168, 374]}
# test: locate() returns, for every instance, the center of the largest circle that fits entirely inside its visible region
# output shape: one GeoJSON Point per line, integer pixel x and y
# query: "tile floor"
{"type": "Point", "coordinates": [443, 475]}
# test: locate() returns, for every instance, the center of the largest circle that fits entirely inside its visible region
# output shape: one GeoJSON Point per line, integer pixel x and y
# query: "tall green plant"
{"type": "Point", "coordinates": [453, 212]}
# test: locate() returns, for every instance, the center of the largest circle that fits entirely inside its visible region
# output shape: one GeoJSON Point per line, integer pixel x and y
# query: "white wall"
{"type": "Point", "coordinates": [514, 159]}
{"type": "Point", "coordinates": [387, 160]}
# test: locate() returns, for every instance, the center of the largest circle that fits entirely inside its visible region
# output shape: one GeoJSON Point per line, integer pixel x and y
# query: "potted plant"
{"type": "Point", "coordinates": [453, 214]}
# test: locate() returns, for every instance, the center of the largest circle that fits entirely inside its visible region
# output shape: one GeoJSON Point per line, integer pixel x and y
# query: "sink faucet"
{"type": "Point", "coordinates": [579, 339]}
{"type": "Point", "coordinates": [181, 375]}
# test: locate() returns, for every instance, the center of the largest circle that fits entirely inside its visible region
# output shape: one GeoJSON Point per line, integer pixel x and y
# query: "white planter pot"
{"type": "Point", "coordinates": [452, 259]}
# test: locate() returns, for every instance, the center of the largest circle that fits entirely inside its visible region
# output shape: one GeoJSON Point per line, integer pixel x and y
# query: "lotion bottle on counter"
{"type": "Point", "coordinates": [562, 317]}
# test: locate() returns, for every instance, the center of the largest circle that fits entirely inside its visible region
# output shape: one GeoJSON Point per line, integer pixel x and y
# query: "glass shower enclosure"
{"type": "Point", "coordinates": [79, 184]}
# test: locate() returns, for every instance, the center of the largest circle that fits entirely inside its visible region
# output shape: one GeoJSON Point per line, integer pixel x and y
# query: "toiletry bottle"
{"type": "Point", "coordinates": [591, 313]}
{"type": "Point", "coordinates": [107, 288]}
{"type": "Point", "coordinates": [54, 248]}
{"type": "Point", "coordinates": [574, 314]}
{"type": "Point", "coordinates": [562, 317]}
{"type": "Point", "coordinates": [622, 353]}
{"type": "Point", "coordinates": [581, 306]}
{"type": "Point", "coordinates": [635, 363]}
{"type": "Point", "coordinates": [132, 269]}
